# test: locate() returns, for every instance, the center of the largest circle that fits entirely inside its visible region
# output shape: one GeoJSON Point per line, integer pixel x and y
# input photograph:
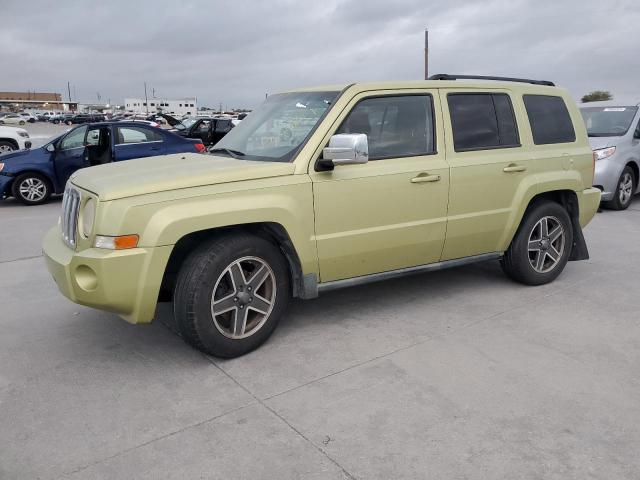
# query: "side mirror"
{"type": "Point", "coordinates": [51, 148]}
{"type": "Point", "coordinates": [636, 134]}
{"type": "Point", "coordinates": [344, 149]}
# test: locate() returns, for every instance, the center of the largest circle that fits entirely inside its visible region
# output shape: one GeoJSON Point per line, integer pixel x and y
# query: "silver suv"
{"type": "Point", "coordinates": [614, 135]}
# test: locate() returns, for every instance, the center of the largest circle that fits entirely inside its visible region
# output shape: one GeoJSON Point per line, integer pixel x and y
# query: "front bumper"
{"type": "Point", "coordinates": [5, 182]}
{"type": "Point", "coordinates": [588, 201]}
{"type": "Point", "coordinates": [606, 175]}
{"type": "Point", "coordinates": [126, 282]}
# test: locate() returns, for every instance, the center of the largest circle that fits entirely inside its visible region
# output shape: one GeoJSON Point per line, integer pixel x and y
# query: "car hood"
{"type": "Point", "coordinates": [603, 142]}
{"type": "Point", "coordinates": [171, 172]}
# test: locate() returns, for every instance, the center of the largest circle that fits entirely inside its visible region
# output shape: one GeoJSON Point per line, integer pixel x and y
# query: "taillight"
{"type": "Point", "coordinates": [200, 148]}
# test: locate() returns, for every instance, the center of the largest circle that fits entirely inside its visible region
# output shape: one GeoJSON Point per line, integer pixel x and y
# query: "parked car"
{"type": "Point", "coordinates": [61, 118]}
{"type": "Point", "coordinates": [12, 139]}
{"type": "Point", "coordinates": [81, 118]}
{"type": "Point", "coordinates": [209, 130]}
{"type": "Point", "coordinates": [614, 135]}
{"type": "Point", "coordinates": [29, 117]}
{"type": "Point", "coordinates": [322, 189]}
{"type": "Point", "coordinates": [33, 176]}
{"type": "Point", "coordinates": [13, 119]}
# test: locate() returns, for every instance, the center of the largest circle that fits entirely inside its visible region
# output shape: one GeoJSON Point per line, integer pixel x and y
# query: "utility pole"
{"type": "Point", "coordinates": [69, 91]}
{"type": "Point", "coordinates": [426, 54]}
{"type": "Point", "coordinates": [146, 101]}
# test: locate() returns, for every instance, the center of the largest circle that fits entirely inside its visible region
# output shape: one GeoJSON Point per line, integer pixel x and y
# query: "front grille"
{"type": "Point", "coordinates": [69, 218]}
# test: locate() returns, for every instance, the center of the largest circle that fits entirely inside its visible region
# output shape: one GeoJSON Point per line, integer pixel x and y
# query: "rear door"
{"type": "Point", "coordinates": [137, 142]}
{"type": "Point", "coordinates": [489, 168]}
{"type": "Point", "coordinates": [70, 154]}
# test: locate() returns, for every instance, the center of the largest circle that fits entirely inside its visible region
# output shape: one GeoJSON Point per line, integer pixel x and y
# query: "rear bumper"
{"type": "Point", "coordinates": [589, 201]}
{"type": "Point", "coordinates": [125, 282]}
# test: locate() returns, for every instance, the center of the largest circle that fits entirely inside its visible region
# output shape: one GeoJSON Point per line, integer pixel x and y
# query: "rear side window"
{"type": "Point", "coordinates": [396, 126]}
{"type": "Point", "coordinates": [482, 121]}
{"type": "Point", "coordinates": [549, 119]}
{"type": "Point", "coordinates": [126, 135]}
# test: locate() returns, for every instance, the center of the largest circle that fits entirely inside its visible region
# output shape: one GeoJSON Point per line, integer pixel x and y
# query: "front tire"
{"type": "Point", "coordinates": [31, 189]}
{"type": "Point", "coordinates": [230, 294]}
{"type": "Point", "coordinates": [7, 147]}
{"type": "Point", "coordinates": [624, 191]}
{"type": "Point", "coordinates": [21, 122]}
{"type": "Point", "coordinates": [541, 247]}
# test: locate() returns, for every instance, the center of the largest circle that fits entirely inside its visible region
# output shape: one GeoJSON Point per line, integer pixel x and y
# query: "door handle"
{"type": "Point", "coordinates": [424, 178]}
{"type": "Point", "coordinates": [514, 168]}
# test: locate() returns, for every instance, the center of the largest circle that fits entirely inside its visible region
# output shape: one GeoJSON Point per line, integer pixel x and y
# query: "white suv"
{"type": "Point", "coordinates": [12, 138]}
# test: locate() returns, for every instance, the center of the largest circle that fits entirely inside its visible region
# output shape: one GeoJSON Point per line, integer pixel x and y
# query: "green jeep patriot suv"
{"type": "Point", "coordinates": [331, 187]}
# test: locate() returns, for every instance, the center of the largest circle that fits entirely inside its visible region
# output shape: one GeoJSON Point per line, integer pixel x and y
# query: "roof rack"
{"type": "Point", "coordinates": [446, 76]}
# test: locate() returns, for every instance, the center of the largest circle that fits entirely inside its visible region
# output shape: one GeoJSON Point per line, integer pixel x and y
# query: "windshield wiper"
{"type": "Point", "coordinates": [228, 151]}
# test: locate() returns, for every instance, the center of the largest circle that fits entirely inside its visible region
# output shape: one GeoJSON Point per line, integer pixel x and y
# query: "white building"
{"type": "Point", "coordinates": [183, 106]}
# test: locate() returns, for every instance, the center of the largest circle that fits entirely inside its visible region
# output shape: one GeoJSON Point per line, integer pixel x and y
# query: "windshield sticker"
{"type": "Point", "coordinates": [615, 109]}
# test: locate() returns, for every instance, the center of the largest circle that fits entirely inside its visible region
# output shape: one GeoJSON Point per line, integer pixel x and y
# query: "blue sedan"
{"type": "Point", "coordinates": [32, 176]}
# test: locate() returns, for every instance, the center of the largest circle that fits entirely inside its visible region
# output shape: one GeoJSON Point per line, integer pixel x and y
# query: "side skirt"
{"type": "Point", "coordinates": [376, 277]}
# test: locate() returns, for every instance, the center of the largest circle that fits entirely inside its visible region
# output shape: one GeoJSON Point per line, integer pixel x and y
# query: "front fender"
{"type": "Point", "coordinates": [286, 201]}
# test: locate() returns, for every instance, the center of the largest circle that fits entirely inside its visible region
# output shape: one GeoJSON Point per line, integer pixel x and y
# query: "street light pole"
{"type": "Point", "coordinates": [146, 100]}
{"type": "Point", "coordinates": [426, 54]}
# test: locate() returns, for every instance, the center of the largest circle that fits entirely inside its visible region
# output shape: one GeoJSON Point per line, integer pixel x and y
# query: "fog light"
{"type": "Point", "coordinates": [86, 278]}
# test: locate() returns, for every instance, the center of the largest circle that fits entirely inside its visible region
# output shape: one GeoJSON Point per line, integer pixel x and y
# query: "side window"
{"type": "Point", "coordinates": [93, 137]}
{"type": "Point", "coordinates": [482, 121]}
{"type": "Point", "coordinates": [74, 139]}
{"type": "Point", "coordinates": [549, 119]}
{"type": "Point", "coordinates": [223, 126]}
{"type": "Point", "coordinates": [396, 126]}
{"type": "Point", "coordinates": [126, 135]}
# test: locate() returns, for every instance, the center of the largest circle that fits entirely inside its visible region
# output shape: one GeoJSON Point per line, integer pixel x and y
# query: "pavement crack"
{"type": "Point", "coordinates": [153, 440]}
{"type": "Point", "coordinates": [284, 420]}
{"type": "Point", "coordinates": [20, 259]}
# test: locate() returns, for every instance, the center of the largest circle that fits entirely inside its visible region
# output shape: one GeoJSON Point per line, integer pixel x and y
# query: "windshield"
{"type": "Point", "coordinates": [278, 128]}
{"type": "Point", "coordinates": [608, 121]}
{"type": "Point", "coordinates": [185, 123]}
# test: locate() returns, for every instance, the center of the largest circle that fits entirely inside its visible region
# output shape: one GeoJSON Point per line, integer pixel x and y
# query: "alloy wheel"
{"type": "Point", "coordinates": [33, 189]}
{"type": "Point", "coordinates": [5, 149]}
{"type": "Point", "coordinates": [546, 244]}
{"type": "Point", "coordinates": [243, 297]}
{"type": "Point", "coordinates": [625, 188]}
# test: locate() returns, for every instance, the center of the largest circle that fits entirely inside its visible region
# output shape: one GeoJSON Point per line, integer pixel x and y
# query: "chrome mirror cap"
{"type": "Point", "coordinates": [347, 149]}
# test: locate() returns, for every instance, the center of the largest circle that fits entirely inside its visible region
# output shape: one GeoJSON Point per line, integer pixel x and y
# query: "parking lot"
{"type": "Point", "coordinates": [455, 374]}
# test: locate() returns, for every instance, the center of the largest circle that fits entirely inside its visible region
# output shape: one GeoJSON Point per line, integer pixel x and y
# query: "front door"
{"type": "Point", "coordinates": [70, 154]}
{"type": "Point", "coordinates": [490, 170]}
{"type": "Point", "coordinates": [202, 130]}
{"type": "Point", "coordinates": [389, 213]}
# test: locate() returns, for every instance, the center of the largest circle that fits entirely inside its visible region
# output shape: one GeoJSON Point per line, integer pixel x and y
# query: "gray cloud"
{"type": "Point", "coordinates": [235, 52]}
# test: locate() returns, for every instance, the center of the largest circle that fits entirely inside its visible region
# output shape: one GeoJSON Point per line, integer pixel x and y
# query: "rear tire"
{"type": "Point", "coordinates": [626, 187]}
{"type": "Point", "coordinates": [220, 307]}
{"type": "Point", "coordinates": [542, 245]}
{"type": "Point", "coordinates": [31, 189]}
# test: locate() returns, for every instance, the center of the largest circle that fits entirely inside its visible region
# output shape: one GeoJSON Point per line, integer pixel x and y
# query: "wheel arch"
{"type": "Point", "coordinates": [271, 231]}
{"type": "Point", "coordinates": [40, 173]}
{"type": "Point", "coordinates": [569, 200]}
{"type": "Point", "coordinates": [12, 141]}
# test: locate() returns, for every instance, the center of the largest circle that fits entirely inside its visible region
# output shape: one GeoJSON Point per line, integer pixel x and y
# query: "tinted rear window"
{"type": "Point", "coordinates": [482, 121]}
{"type": "Point", "coordinates": [549, 119]}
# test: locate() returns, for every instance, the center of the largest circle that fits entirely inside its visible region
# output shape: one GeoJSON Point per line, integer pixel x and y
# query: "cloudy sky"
{"type": "Point", "coordinates": [235, 51]}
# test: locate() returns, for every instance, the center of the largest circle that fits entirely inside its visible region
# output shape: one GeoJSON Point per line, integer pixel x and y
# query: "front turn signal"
{"type": "Point", "coordinates": [122, 242]}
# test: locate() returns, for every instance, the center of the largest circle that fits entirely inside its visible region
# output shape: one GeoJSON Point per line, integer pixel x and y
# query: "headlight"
{"type": "Point", "coordinates": [88, 217]}
{"type": "Point", "coordinates": [23, 134]}
{"type": "Point", "coordinates": [602, 153]}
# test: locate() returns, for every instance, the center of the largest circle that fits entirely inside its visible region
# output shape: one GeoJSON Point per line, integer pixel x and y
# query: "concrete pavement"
{"type": "Point", "coordinates": [459, 374]}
